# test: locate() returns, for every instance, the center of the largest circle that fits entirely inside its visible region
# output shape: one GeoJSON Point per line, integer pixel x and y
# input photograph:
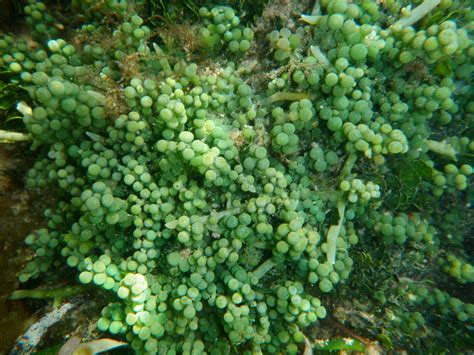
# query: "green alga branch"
{"type": "Point", "coordinates": [163, 60]}
{"type": "Point", "coordinates": [57, 294]}
{"type": "Point", "coordinates": [263, 268]}
{"type": "Point", "coordinates": [335, 230]}
{"type": "Point", "coordinates": [12, 137]}
{"type": "Point", "coordinates": [442, 148]}
{"type": "Point", "coordinates": [287, 96]}
{"type": "Point", "coordinates": [339, 344]}
{"type": "Point", "coordinates": [319, 55]}
{"type": "Point", "coordinates": [418, 13]}
{"type": "Point", "coordinates": [315, 14]}
{"type": "Point", "coordinates": [347, 169]}
{"type": "Point", "coordinates": [203, 219]}
{"type": "Point", "coordinates": [310, 19]}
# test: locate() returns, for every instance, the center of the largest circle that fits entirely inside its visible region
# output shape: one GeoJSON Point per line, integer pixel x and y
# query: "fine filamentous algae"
{"type": "Point", "coordinates": [240, 176]}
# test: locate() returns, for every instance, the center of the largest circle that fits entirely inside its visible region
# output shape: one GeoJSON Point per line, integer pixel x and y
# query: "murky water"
{"type": "Point", "coordinates": [19, 215]}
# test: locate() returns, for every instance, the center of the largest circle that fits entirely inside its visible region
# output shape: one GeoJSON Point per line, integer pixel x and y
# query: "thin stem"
{"type": "Point", "coordinates": [333, 233]}
{"type": "Point", "coordinates": [334, 230]}
{"type": "Point", "coordinates": [346, 170]}
{"type": "Point", "coordinates": [95, 137]}
{"type": "Point", "coordinates": [101, 99]}
{"type": "Point", "coordinates": [265, 267]}
{"type": "Point", "coordinates": [287, 96]}
{"type": "Point", "coordinates": [203, 219]}
{"type": "Point", "coordinates": [418, 13]}
{"type": "Point", "coordinates": [316, 8]}
{"type": "Point", "coordinates": [310, 19]}
{"type": "Point", "coordinates": [162, 59]}
{"type": "Point", "coordinates": [319, 55]}
{"type": "Point", "coordinates": [313, 18]}
{"type": "Point", "coordinates": [441, 148]}
{"type": "Point", "coordinates": [57, 294]}
{"type": "Point", "coordinates": [12, 137]}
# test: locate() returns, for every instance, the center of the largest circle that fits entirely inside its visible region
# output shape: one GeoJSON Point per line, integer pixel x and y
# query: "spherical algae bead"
{"type": "Point", "coordinates": [298, 76]}
{"type": "Point", "coordinates": [248, 34]}
{"type": "Point", "coordinates": [282, 139]}
{"type": "Point", "coordinates": [335, 21]}
{"type": "Point", "coordinates": [234, 46]}
{"type": "Point", "coordinates": [325, 286]}
{"type": "Point", "coordinates": [174, 258]}
{"type": "Point", "coordinates": [85, 277]}
{"type": "Point", "coordinates": [103, 324]}
{"type": "Point", "coordinates": [358, 51]}
{"type": "Point", "coordinates": [15, 67]}
{"type": "Point", "coordinates": [69, 104]}
{"type": "Point", "coordinates": [39, 78]}
{"type": "Point", "coordinates": [116, 327]}
{"type": "Point", "coordinates": [99, 279]}
{"type": "Point", "coordinates": [341, 64]}
{"type": "Point", "coordinates": [442, 93]}
{"type": "Point", "coordinates": [447, 36]}
{"type": "Point", "coordinates": [92, 203]}
{"type": "Point", "coordinates": [146, 101]}
{"type": "Point", "coordinates": [331, 79]}
{"type": "Point", "coordinates": [395, 147]}
{"type": "Point", "coordinates": [334, 123]}
{"type": "Point", "coordinates": [56, 88]}
{"type": "Point", "coordinates": [244, 45]}
{"type": "Point", "coordinates": [431, 44]}
{"type": "Point", "coordinates": [405, 57]}
{"type": "Point", "coordinates": [466, 169]}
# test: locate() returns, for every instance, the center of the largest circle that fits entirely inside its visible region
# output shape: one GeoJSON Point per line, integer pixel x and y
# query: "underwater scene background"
{"type": "Point", "coordinates": [255, 177]}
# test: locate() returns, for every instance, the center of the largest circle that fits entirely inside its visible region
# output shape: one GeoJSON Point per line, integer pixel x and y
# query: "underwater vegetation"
{"type": "Point", "coordinates": [230, 181]}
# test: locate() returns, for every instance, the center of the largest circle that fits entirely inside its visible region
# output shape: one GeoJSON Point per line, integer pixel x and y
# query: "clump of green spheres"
{"type": "Point", "coordinates": [458, 268]}
{"type": "Point", "coordinates": [222, 28]}
{"type": "Point", "coordinates": [285, 43]}
{"type": "Point", "coordinates": [220, 209]}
